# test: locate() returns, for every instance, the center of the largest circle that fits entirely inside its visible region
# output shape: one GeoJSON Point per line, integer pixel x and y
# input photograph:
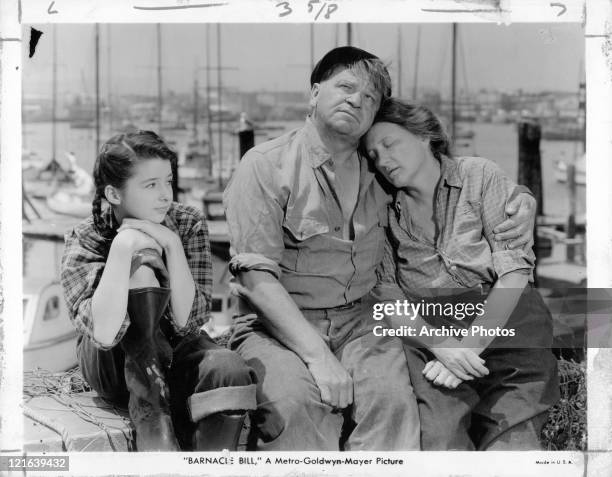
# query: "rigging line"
{"type": "Point", "coordinates": [416, 64]}
{"type": "Point", "coordinates": [463, 66]}
{"type": "Point", "coordinates": [578, 112]}
{"type": "Point", "coordinates": [441, 68]}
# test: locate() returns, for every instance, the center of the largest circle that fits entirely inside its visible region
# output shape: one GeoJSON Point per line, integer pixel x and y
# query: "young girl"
{"type": "Point", "coordinates": [137, 278]}
{"type": "Point", "coordinates": [441, 244]}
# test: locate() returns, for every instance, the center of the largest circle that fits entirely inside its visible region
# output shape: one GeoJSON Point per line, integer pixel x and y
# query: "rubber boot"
{"type": "Point", "coordinates": [218, 432]}
{"type": "Point", "coordinates": [147, 359]}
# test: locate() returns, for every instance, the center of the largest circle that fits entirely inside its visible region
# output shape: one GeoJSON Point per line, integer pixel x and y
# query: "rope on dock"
{"type": "Point", "coordinates": [61, 387]}
{"type": "Point", "coordinates": [566, 428]}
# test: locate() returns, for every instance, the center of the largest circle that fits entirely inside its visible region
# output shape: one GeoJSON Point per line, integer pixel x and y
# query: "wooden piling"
{"type": "Point", "coordinates": [530, 168]}
{"type": "Point", "coordinates": [570, 249]}
{"type": "Point", "coordinates": [246, 139]}
{"type": "Point", "coordinates": [530, 164]}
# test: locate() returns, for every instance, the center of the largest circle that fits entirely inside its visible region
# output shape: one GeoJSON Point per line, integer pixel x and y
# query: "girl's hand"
{"type": "Point", "coordinates": [160, 233]}
{"type": "Point", "coordinates": [135, 240]}
{"type": "Point", "coordinates": [437, 373]}
{"type": "Point", "coordinates": [462, 362]}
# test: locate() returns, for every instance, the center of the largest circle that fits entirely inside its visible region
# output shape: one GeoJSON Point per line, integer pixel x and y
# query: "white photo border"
{"type": "Point", "coordinates": [596, 18]}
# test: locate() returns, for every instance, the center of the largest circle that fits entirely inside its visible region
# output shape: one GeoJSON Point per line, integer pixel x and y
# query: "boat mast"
{"type": "Point", "coordinates": [109, 78]}
{"type": "Point", "coordinates": [453, 82]}
{"type": "Point", "coordinates": [399, 60]}
{"type": "Point", "coordinates": [97, 43]}
{"type": "Point", "coordinates": [416, 64]}
{"type": "Point", "coordinates": [54, 97]}
{"type": "Point", "coordinates": [195, 105]}
{"type": "Point", "coordinates": [159, 79]}
{"type": "Point", "coordinates": [219, 103]}
{"type": "Point", "coordinates": [582, 105]}
{"type": "Point", "coordinates": [311, 46]}
{"type": "Point", "coordinates": [208, 115]}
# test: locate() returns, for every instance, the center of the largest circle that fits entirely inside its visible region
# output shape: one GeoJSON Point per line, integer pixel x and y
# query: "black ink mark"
{"type": "Point", "coordinates": [287, 8]}
{"type": "Point", "coordinates": [331, 9]}
{"type": "Point", "coordinates": [182, 7]}
{"type": "Point", "coordinates": [597, 36]}
{"type": "Point", "coordinates": [50, 11]}
{"type": "Point", "coordinates": [563, 8]}
{"type": "Point", "coordinates": [9, 39]}
{"type": "Point", "coordinates": [322, 8]}
{"type": "Point", "coordinates": [34, 37]}
{"type": "Point", "coordinates": [467, 10]}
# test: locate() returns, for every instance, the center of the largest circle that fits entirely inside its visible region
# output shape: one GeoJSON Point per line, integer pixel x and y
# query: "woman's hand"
{"type": "Point", "coordinates": [439, 375]}
{"type": "Point", "coordinates": [160, 233]}
{"type": "Point", "coordinates": [462, 362]}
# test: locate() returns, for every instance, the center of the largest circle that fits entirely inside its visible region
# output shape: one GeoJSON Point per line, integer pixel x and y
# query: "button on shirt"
{"type": "Point", "coordinates": [470, 201]}
{"type": "Point", "coordinates": [284, 217]}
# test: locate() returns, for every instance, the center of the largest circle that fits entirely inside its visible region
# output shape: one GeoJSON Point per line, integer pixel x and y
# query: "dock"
{"type": "Point", "coordinates": [62, 414]}
{"type": "Point", "coordinates": [75, 422]}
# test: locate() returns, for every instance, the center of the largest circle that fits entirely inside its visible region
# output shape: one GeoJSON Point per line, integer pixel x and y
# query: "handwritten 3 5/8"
{"type": "Point", "coordinates": [321, 7]}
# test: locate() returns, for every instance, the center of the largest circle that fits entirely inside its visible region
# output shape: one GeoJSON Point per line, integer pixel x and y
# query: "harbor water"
{"type": "Point", "coordinates": [498, 142]}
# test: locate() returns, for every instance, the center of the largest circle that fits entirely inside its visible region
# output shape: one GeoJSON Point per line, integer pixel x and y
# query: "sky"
{"type": "Point", "coordinates": [532, 57]}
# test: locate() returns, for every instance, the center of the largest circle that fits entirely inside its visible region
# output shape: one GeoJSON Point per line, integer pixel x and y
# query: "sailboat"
{"type": "Point", "coordinates": [75, 198]}
{"type": "Point", "coordinates": [49, 338]}
{"type": "Point", "coordinates": [195, 159]}
{"type": "Point", "coordinates": [461, 136]}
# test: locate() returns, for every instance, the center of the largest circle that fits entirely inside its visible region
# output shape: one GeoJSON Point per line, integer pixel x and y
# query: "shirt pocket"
{"type": "Point", "coordinates": [303, 228]}
{"type": "Point", "coordinates": [467, 253]}
{"type": "Point", "coordinates": [304, 237]}
{"type": "Point", "coordinates": [468, 219]}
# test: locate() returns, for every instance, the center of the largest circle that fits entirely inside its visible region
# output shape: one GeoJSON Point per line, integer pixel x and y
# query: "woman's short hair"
{"type": "Point", "coordinates": [418, 120]}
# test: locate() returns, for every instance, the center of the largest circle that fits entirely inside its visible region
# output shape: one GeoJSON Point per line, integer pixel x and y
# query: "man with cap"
{"type": "Point", "coordinates": [306, 221]}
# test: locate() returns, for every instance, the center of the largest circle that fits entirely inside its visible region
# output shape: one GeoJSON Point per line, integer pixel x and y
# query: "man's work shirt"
{"type": "Point", "coordinates": [284, 217]}
{"type": "Point", "coordinates": [470, 201]}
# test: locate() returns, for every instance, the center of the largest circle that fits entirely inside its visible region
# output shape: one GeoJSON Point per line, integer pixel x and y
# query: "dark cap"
{"type": "Point", "coordinates": [341, 56]}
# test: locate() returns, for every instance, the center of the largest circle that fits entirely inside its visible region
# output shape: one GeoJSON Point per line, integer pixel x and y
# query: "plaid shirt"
{"type": "Point", "coordinates": [85, 256]}
{"type": "Point", "coordinates": [470, 201]}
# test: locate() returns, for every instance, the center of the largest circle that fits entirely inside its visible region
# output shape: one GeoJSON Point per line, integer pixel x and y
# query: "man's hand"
{"type": "Point", "coordinates": [462, 362]}
{"type": "Point", "coordinates": [520, 224]}
{"type": "Point", "coordinates": [334, 382]}
{"type": "Point", "coordinates": [437, 373]}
